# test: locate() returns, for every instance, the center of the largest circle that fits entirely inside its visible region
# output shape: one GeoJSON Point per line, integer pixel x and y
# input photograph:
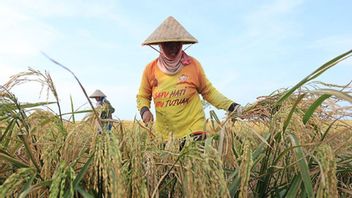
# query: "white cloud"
{"type": "Point", "coordinates": [334, 43]}
{"type": "Point", "coordinates": [27, 29]}
{"type": "Point", "coordinates": [64, 8]}
{"type": "Point", "coordinates": [271, 21]}
{"type": "Point", "coordinates": [6, 72]}
{"type": "Point", "coordinates": [21, 34]}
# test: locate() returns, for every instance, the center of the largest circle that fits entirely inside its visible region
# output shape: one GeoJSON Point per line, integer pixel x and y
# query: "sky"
{"type": "Point", "coordinates": [248, 49]}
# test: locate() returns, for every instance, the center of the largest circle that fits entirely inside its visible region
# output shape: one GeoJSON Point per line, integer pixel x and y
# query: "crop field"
{"type": "Point", "coordinates": [293, 142]}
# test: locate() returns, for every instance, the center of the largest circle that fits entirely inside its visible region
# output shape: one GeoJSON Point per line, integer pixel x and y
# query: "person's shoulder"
{"type": "Point", "coordinates": [106, 100]}
{"type": "Point", "coordinates": [151, 63]}
{"type": "Point", "coordinates": [195, 61]}
{"type": "Point", "coordinates": [149, 68]}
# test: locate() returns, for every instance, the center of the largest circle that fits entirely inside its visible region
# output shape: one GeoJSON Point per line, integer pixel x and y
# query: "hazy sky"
{"type": "Point", "coordinates": [247, 48]}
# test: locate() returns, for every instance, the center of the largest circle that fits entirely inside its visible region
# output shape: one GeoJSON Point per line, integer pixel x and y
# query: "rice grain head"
{"type": "Point", "coordinates": [328, 180]}
{"type": "Point", "coordinates": [14, 183]}
{"type": "Point", "coordinates": [245, 169]}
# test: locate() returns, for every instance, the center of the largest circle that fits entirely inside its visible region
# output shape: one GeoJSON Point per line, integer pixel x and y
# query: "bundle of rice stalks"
{"type": "Point", "coordinates": [202, 173]}
{"type": "Point", "coordinates": [328, 181]}
{"type": "Point", "coordinates": [62, 182]}
{"type": "Point", "coordinates": [106, 176]}
{"type": "Point", "coordinates": [18, 183]}
{"type": "Point", "coordinates": [291, 143]}
{"type": "Point", "coordinates": [47, 137]}
{"type": "Point", "coordinates": [245, 169]}
{"type": "Point", "coordinates": [136, 144]}
{"type": "Point", "coordinates": [78, 142]}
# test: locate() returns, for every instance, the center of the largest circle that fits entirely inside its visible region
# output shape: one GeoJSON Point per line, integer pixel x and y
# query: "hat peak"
{"type": "Point", "coordinates": [170, 30]}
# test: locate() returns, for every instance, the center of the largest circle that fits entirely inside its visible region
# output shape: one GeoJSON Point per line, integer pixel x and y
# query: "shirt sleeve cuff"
{"type": "Point", "coordinates": [143, 109]}
{"type": "Point", "coordinates": [232, 107]}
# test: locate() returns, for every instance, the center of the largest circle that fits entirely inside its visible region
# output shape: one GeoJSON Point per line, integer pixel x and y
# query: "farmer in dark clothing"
{"type": "Point", "coordinates": [104, 108]}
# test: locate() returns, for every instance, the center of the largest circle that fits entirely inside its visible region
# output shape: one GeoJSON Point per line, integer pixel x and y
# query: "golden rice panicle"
{"type": "Point", "coordinates": [188, 180]}
{"type": "Point", "coordinates": [137, 141]}
{"type": "Point", "coordinates": [107, 162]}
{"type": "Point", "coordinates": [172, 145]}
{"type": "Point", "coordinates": [245, 169]}
{"type": "Point", "coordinates": [328, 181]}
{"type": "Point", "coordinates": [194, 183]}
{"type": "Point", "coordinates": [214, 165]}
{"type": "Point", "coordinates": [70, 152]}
{"type": "Point", "coordinates": [201, 168]}
{"type": "Point", "coordinates": [98, 176]}
{"type": "Point", "coordinates": [227, 156]}
{"type": "Point", "coordinates": [56, 181]}
{"type": "Point", "coordinates": [117, 175]}
{"type": "Point", "coordinates": [14, 183]}
{"type": "Point", "coordinates": [90, 177]}
{"type": "Point", "coordinates": [151, 171]}
{"type": "Point", "coordinates": [52, 144]}
{"type": "Point", "coordinates": [94, 170]}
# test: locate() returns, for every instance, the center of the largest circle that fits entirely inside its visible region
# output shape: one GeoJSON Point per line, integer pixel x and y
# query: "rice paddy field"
{"type": "Point", "coordinates": [293, 142]}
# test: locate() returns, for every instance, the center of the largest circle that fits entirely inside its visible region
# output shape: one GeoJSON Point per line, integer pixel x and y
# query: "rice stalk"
{"type": "Point", "coordinates": [202, 166]}
{"type": "Point", "coordinates": [328, 180]}
{"type": "Point", "coordinates": [62, 181]}
{"type": "Point", "coordinates": [245, 169]}
{"type": "Point", "coordinates": [13, 184]}
{"type": "Point", "coordinates": [36, 76]}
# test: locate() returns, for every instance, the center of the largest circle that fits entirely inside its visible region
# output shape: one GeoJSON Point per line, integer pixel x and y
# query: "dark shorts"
{"type": "Point", "coordinates": [197, 136]}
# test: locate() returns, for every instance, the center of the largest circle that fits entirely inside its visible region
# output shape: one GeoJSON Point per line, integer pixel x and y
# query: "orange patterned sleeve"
{"type": "Point", "coordinates": [209, 92]}
{"type": "Point", "coordinates": [144, 95]}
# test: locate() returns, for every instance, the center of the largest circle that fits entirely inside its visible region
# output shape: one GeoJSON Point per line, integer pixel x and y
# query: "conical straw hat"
{"type": "Point", "coordinates": [97, 93]}
{"type": "Point", "coordinates": [170, 31]}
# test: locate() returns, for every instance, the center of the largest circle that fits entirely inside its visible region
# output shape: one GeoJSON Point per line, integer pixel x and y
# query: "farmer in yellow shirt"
{"type": "Point", "coordinates": [174, 81]}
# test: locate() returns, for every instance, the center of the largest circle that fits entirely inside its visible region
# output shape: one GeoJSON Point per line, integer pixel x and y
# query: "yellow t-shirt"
{"type": "Point", "coordinates": [176, 98]}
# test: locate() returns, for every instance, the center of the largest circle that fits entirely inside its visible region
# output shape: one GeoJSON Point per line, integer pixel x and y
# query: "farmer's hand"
{"type": "Point", "coordinates": [99, 130]}
{"type": "Point", "coordinates": [235, 111]}
{"type": "Point", "coordinates": [146, 115]}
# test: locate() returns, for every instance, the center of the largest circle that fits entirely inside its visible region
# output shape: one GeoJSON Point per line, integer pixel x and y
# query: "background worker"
{"type": "Point", "coordinates": [174, 81]}
{"type": "Point", "coordinates": [104, 108]}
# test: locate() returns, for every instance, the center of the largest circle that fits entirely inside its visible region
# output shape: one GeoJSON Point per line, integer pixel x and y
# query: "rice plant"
{"type": "Point", "coordinates": [291, 143]}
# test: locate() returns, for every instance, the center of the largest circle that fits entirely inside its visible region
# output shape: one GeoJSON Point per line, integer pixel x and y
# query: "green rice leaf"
{"type": "Point", "coordinates": [82, 171]}
{"type": "Point", "coordinates": [314, 106]}
{"type": "Point", "coordinates": [27, 187]}
{"type": "Point", "coordinates": [13, 161]}
{"type": "Point", "coordinates": [302, 165]}
{"type": "Point", "coordinates": [213, 116]}
{"type": "Point", "coordinates": [315, 74]}
{"type": "Point", "coordinates": [8, 129]}
{"type": "Point", "coordinates": [235, 184]}
{"type": "Point", "coordinates": [12, 106]}
{"type": "Point", "coordinates": [72, 110]}
{"type": "Point", "coordinates": [29, 152]}
{"type": "Point", "coordinates": [77, 112]}
{"type": "Point", "coordinates": [287, 121]}
{"type": "Point", "coordinates": [294, 186]}
{"type": "Point", "coordinates": [339, 94]}
{"type": "Point", "coordinates": [328, 129]}
{"type": "Point", "coordinates": [84, 193]}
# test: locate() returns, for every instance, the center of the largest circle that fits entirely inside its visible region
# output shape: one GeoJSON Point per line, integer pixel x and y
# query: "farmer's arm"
{"type": "Point", "coordinates": [107, 110]}
{"type": "Point", "coordinates": [210, 93]}
{"type": "Point", "coordinates": [144, 95]}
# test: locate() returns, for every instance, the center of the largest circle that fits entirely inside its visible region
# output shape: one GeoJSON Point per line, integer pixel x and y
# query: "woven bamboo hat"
{"type": "Point", "coordinates": [170, 31]}
{"type": "Point", "coordinates": [97, 93]}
